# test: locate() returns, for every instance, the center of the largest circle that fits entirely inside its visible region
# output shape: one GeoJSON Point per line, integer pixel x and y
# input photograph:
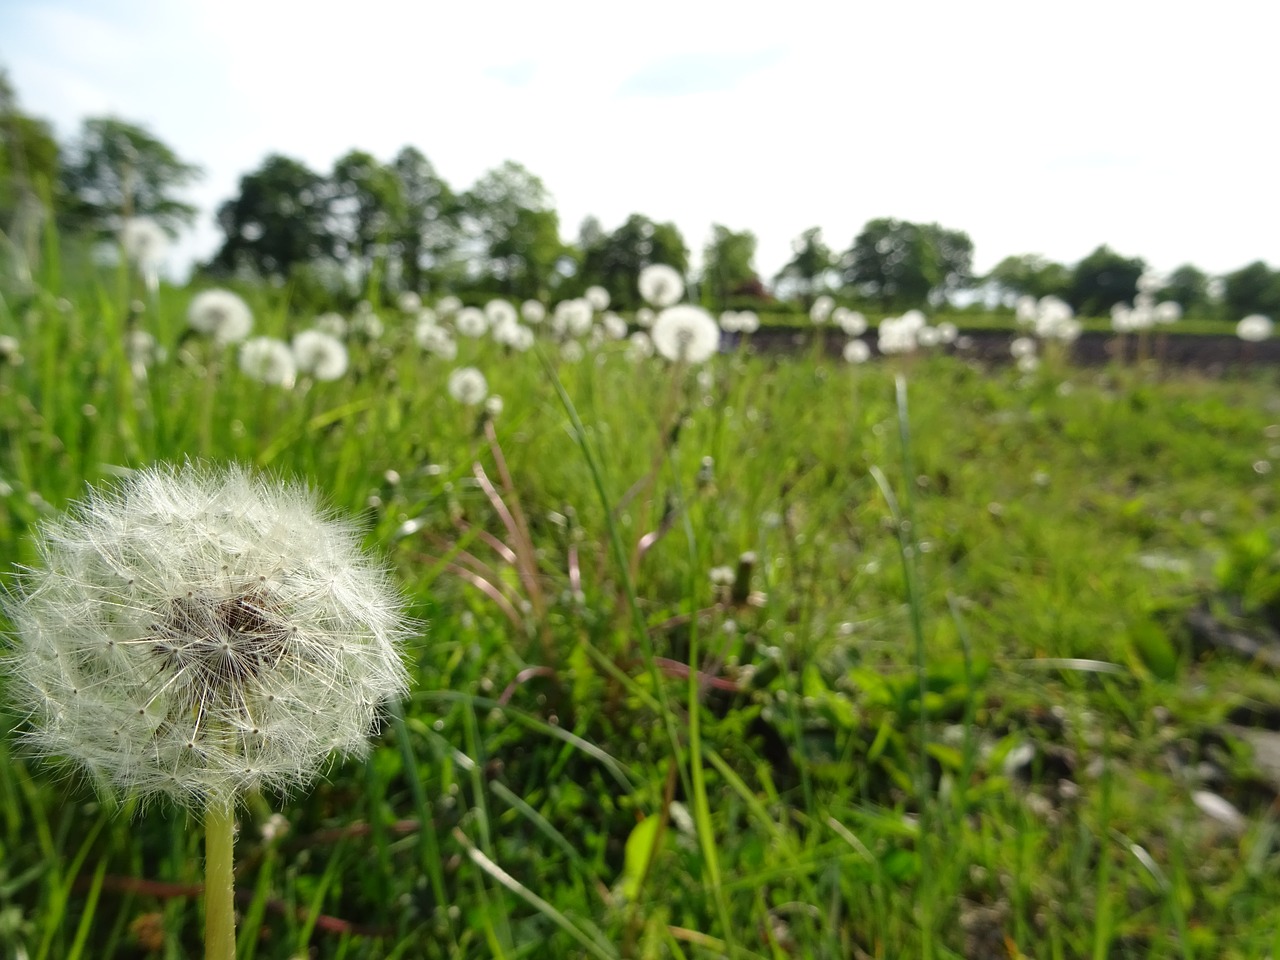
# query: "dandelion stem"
{"type": "Point", "coordinates": [219, 891]}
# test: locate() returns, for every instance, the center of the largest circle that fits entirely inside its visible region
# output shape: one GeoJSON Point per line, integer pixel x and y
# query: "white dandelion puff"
{"type": "Point", "coordinates": [468, 386]}
{"type": "Point", "coordinates": [597, 297]}
{"type": "Point", "coordinates": [409, 302]}
{"type": "Point", "coordinates": [857, 351]}
{"type": "Point", "coordinates": [221, 315]}
{"type": "Point", "coordinates": [447, 306]}
{"type": "Point", "coordinates": [820, 311]}
{"type": "Point", "coordinates": [268, 360]}
{"type": "Point", "coordinates": [533, 311]}
{"type": "Point", "coordinates": [639, 346]}
{"type": "Point", "coordinates": [198, 632]}
{"type": "Point", "coordinates": [1254, 328]}
{"type": "Point", "coordinates": [615, 328]}
{"type": "Point", "coordinates": [435, 339]}
{"type": "Point", "coordinates": [471, 322]}
{"type": "Point", "coordinates": [685, 333]}
{"type": "Point", "coordinates": [145, 243]}
{"type": "Point", "coordinates": [571, 318]}
{"type": "Point", "coordinates": [853, 323]}
{"type": "Point", "coordinates": [571, 351]}
{"type": "Point", "coordinates": [319, 354]}
{"type": "Point", "coordinates": [660, 285]}
{"type": "Point", "coordinates": [500, 312]}
{"type": "Point", "coordinates": [334, 324]}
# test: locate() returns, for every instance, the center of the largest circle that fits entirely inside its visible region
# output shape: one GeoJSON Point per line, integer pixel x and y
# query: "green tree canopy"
{"type": "Point", "coordinates": [728, 266]}
{"type": "Point", "coordinates": [427, 230]}
{"type": "Point", "coordinates": [115, 169]}
{"type": "Point", "coordinates": [1188, 287]}
{"type": "Point", "coordinates": [1032, 275]}
{"type": "Point", "coordinates": [614, 260]}
{"type": "Point", "coordinates": [899, 263]}
{"type": "Point", "coordinates": [1103, 279]}
{"type": "Point", "coordinates": [512, 231]}
{"type": "Point", "coordinates": [279, 219]}
{"type": "Point", "coordinates": [28, 170]}
{"type": "Point", "coordinates": [366, 210]}
{"type": "Point", "coordinates": [807, 271]}
{"type": "Point", "coordinates": [1252, 289]}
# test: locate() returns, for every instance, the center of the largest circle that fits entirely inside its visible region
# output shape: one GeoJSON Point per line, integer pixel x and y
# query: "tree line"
{"type": "Point", "coordinates": [398, 224]}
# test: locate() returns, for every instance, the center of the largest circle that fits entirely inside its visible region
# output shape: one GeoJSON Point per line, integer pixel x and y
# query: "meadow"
{"type": "Point", "coordinates": [764, 657]}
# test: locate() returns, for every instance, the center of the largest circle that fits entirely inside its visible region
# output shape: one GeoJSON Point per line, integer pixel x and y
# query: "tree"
{"type": "Point", "coordinates": [28, 169]}
{"type": "Point", "coordinates": [115, 169]}
{"type": "Point", "coordinates": [614, 260]}
{"type": "Point", "coordinates": [899, 263]}
{"type": "Point", "coordinates": [280, 219]}
{"type": "Point", "coordinates": [365, 209]}
{"type": "Point", "coordinates": [727, 266]}
{"type": "Point", "coordinates": [427, 230]}
{"type": "Point", "coordinates": [1189, 288]}
{"type": "Point", "coordinates": [806, 272]}
{"type": "Point", "coordinates": [513, 231]}
{"type": "Point", "coordinates": [1252, 289]}
{"type": "Point", "coordinates": [1103, 279]}
{"type": "Point", "coordinates": [1032, 275]}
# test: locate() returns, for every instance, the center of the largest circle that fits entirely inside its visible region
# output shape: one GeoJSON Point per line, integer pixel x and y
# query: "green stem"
{"type": "Point", "coordinates": [219, 892]}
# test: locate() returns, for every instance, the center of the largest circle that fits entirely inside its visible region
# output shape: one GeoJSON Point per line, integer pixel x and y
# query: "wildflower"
{"type": "Point", "coordinates": [597, 297]}
{"type": "Point", "coordinates": [853, 323]}
{"type": "Point", "coordinates": [269, 360]}
{"type": "Point", "coordinates": [857, 351]}
{"type": "Point", "coordinates": [748, 321]}
{"type": "Point", "coordinates": [721, 576]}
{"type": "Point", "coordinates": [333, 324]}
{"type": "Point", "coordinates": [685, 333]}
{"type": "Point", "coordinates": [660, 285]}
{"type": "Point", "coordinates": [319, 354]}
{"type": "Point", "coordinates": [468, 386]}
{"type": "Point", "coordinates": [729, 321]}
{"type": "Point", "coordinates": [199, 632]}
{"type": "Point", "coordinates": [144, 241]}
{"type": "Point", "coordinates": [471, 322]}
{"type": "Point", "coordinates": [1254, 328]}
{"type": "Point", "coordinates": [409, 302]}
{"type": "Point", "coordinates": [1022, 347]}
{"type": "Point", "coordinates": [615, 327]}
{"type": "Point", "coordinates": [493, 406]}
{"type": "Point", "coordinates": [948, 332]}
{"type": "Point", "coordinates": [1168, 312]}
{"type": "Point", "coordinates": [571, 351]}
{"type": "Point", "coordinates": [820, 312]}
{"type": "Point", "coordinates": [571, 318]}
{"type": "Point", "coordinates": [533, 311]}
{"type": "Point", "coordinates": [639, 346]}
{"type": "Point", "coordinates": [437, 340]}
{"type": "Point", "coordinates": [447, 306]}
{"type": "Point", "coordinates": [499, 312]}
{"type": "Point", "coordinates": [141, 349]}
{"type": "Point", "coordinates": [366, 323]}
{"type": "Point", "coordinates": [645, 317]}
{"type": "Point", "coordinates": [220, 314]}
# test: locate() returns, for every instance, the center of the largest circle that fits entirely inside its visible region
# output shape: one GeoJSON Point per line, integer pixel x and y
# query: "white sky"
{"type": "Point", "coordinates": [1036, 127]}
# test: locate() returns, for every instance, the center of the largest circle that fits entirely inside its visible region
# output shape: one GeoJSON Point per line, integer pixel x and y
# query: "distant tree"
{"type": "Point", "coordinates": [1189, 288]}
{"type": "Point", "coordinates": [427, 229]}
{"type": "Point", "coordinates": [1252, 289]}
{"type": "Point", "coordinates": [366, 208]}
{"type": "Point", "coordinates": [1103, 279]}
{"type": "Point", "coordinates": [728, 268]}
{"type": "Point", "coordinates": [115, 169]}
{"type": "Point", "coordinates": [28, 170]}
{"type": "Point", "coordinates": [807, 271]}
{"type": "Point", "coordinates": [899, 263]}
{"type": "Point", "coordinates": [1031, 275]}
{"type": "Point", "coordinates": [514, 232]}
{"type": "Point", "coordinates": [280, 219]}
{"type": "Point", "coordinates": [614, 260]}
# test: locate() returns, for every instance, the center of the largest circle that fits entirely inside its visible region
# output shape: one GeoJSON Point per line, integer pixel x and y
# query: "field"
{"type": "Point", "coordinates": [952, 697]}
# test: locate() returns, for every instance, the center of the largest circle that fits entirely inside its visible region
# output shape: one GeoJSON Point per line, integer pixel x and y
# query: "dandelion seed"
{"type": "Point", "coordinates": [448, 306]}
{"type": "Point", "coordinates": [220, 314]}
{"type": "Point", "coordinates": [685, 333]}
{"type": "Point", "coordinates": [319, 354]}
{"type": "Point", "coordinates": [820, 311]}
{"type": "Point", "coordinates": [571, 318]}
{"type": "Point", "coordinates": [333, 324]}
{"type": "Point", "coordinates": [533, 311]}
{"type": "Point", "coordinates": [645, 317]}
{"type": "Point", "coordinates": [615, 328]}
{"type": "Point", "coordinates": [857, 351]}
{"type": "Point", "coordinates": [145, 243]}
{"type": "Point", "coordinates": [1022, 347]}
{"type": "Point", "coordinates": [268, 360]}
{"type": "Point", "coordinates": [597, 297]}
{"type": "Point", "coordinates": [660, 285]}
{"type": "Point", "coordinates": [435, 339]}
{"type": "Point", "coordinates": [468, 386]}
{"type": "Point", "coordinates": [639, 346]}
{"type": "Point", "coordinates": [409, 302]}
{"type": "Point", "coordinates": [1254, 328]}
{"type": "Point", "coordinates": [853, 323]}
{"type": "Point", "coordinates": [471, 322]}
{"type": "Point", "coordinates": [500, 313]}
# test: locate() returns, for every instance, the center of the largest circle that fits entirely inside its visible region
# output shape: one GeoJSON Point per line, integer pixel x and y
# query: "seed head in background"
{"type": "Point", "coordinates": [198, 631]}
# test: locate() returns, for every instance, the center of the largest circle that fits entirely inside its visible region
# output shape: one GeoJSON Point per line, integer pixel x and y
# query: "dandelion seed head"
{"type": "Point", "coordinates": [857, 351]}
{"type": "Point", "coordinates": [571, 318]}
{"type": "Point", "coordinates": [533, 311]}
{"type": "Point", "coordinates": [435, 339]}
{"type": "Point", "coordinates": [660, 285]}
{"type": "Point", "coordinates": [198, 631]}
{"type": "Point", "coordinates": [471, 322]}
{"type": "Point", "coordinates": [500, 313]}
{"type": "Point", "coordinates": [597, 297]}
{"type": "Point", "coordinates": [268, 360]}
{"type": "Point", "coordinates": [144, 241]}
{"type": "Point", "coordinates": [1254, 328]}
{"type": "Point", "coordinates": [220, 314]}
{"type": "Point", "coordinates": [319, 354]}
{"type": "Point", "coordinates": [685, 333]}
{"type": "Point", "coordinates": [468, 386]}
{"type": "Point", "coordinates": [334, 324]}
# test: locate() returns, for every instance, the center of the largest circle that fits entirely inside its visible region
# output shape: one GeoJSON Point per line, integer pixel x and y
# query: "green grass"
{"type": "Point", "coordinates": [1000, 561]}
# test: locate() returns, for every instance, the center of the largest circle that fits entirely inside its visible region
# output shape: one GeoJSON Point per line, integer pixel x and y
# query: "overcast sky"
{"type": "Point", "coordinates": [1037, 127]}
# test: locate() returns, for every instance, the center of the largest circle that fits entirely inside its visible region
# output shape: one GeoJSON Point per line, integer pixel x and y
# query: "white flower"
{"type": "Point", "coordinates": [857, 351]}
{"type": "Point", "coordinates": [729, 321]}
{"type": "Point", "coordinates": [928, 337]}
{"type": "Point", "coordinates": [268, 360]}
{"type": "Point", "coordinates": [494, 406]}
{"type": "Point", "coordinates": [639, 346]}
{"type": "Point", "coordinates": [820, 312]}
{"type": "Point", "coordinates": [144, 242]}
{"type": "Point", "coordinates": [220, 314]}
{"type": "Point", "coordinates": [1022, 347]}
{"type": "Point", "coordinates": [500, 312]}
{"type": "Point", "coordinates": [1121, 318]}
{"type": "Point", "coordinates": [471, 322]}
{"type": "Point", "coordinates": [1025, 309]}
{"type": "Point", "coordinates": [615, 328]}
{"type": "Point", "coordinates": [1168, 312]}
{"type": "Point", "coordinates": [1254, 328]}
{"type": "Point", "coordinates": [409, 302]}
{"type": "Point", "coordinates": [1029, 363]}
{"type": "Point", "coordinates": [319, 354]}
{"type": "Point", "coordinates": [533, 311]}
{"type": "Point", "coordinates": [571, 318]}
{"type": "Point", "coordinates": [597, 297]}
{"type": "Point", "coordinates": [685, 333]}
{"type": "Point", "coordinates": [198, 632]}
{"type": "Point", "coordinates": [748, 321]}
{"type": "Point", "coordinates": [644, 317]}
{"type": "Point", "coordinates": [366, 323]}
{"type": "Point", "coordinates": [898, 334]}
{"type": "Point", "coordinates": [571, 351]}
{"type": "Point", "coordinates": [446, 306]}
{"type": "Point", "coordinates": [947, 332]}
{"type": "Point", "coordinates": [1150, 282]}
{"type": "Point", "coordinates": [468, 386]}
{"type": "Point", "coordinates": [660, 285]}
{"type": "Point", "coordinates": [333, 324]}
{"type": "Point", "coordinates": [851, 322]}
{"type": "Point", "coordinates": [435, 339]}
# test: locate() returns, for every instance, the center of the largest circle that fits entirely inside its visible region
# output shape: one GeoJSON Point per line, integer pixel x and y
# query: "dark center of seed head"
{"type": "Point", "coordinates": [222, 643]}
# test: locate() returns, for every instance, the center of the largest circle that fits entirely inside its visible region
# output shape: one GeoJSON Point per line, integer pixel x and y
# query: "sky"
{"type": "Point", "coordinates": [1036, 127]}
